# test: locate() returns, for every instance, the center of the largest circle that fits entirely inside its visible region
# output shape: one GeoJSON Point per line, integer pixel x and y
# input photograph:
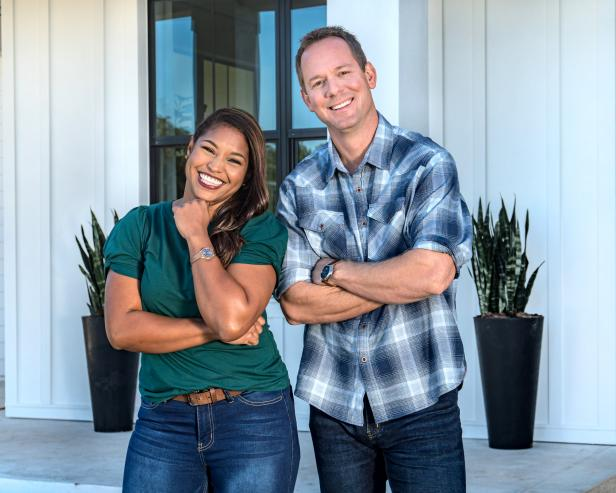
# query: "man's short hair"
{"type": "Point", "coordinates": [329, 32]}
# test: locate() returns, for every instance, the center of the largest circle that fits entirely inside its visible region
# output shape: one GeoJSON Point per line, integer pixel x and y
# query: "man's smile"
{"type": "Point", "coordinates": [339, 106]}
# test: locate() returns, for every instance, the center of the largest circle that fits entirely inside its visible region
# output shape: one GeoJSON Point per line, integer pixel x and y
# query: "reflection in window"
{"type": "Point", "coordinates": [175, 111]}
{"type": "Point", "coordinates": [171, 175]}
{"type": "Point", "coordinates": [213, 54]}
{"type": "Point", "coordinates": [307, 147]}
{"type": "Point", "coordinates": [267, 72]}
{"type": "Point", "coordinates": [270, 173]}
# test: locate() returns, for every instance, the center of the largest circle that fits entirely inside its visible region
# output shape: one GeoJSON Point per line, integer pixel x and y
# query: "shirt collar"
{"type": "Point", "coordinates": [378, 153]}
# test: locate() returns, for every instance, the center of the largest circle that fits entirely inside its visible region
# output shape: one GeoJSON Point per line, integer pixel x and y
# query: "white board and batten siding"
{"type": "Point", "coordinates": [75, 137]}
{"type": "Point", "coordinates": [528, 110]}
{"type": "Point", "coordinates": [523, 95]}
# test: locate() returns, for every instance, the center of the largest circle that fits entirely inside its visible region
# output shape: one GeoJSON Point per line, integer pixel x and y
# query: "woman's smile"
{"type": "Point", "coordinates": [208, 181]}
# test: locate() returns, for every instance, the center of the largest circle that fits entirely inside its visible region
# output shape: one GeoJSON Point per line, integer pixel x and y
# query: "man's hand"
{"type": "Point", "coordinates": [318, 267]}
{"type": "Point", "coordinates": [251, 338]}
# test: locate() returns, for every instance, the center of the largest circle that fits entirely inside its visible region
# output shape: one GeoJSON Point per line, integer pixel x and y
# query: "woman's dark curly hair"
{"type": "Point", "coordinates": [252, 198]}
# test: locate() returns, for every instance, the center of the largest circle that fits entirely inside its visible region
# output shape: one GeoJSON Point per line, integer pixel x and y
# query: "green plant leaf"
{"type": "Point", "coordinates": [93, 268]}
{"type": "Point", "coordinates": [499, 262]}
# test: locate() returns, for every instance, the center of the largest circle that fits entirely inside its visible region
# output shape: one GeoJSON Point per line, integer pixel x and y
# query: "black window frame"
{"type": "Point", "coordinates": [285, 138]}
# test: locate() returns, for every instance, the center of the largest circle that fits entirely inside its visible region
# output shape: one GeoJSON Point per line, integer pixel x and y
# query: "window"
{"type": "Point", "coordinates": [208, 54]}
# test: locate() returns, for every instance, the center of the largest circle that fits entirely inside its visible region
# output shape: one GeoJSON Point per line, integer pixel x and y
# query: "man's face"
{"type": "Point", "coordinates": [336, 89]}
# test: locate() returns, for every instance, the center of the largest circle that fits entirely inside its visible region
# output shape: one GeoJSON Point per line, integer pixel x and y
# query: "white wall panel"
{"type": "Point", "coordinates": [1, 234]}
{"type": "Point", "coordinates": [605, 86]}
{"type": "Point", "coordinates": [77, 161]}
{"type": "Point", "coordinates": [8, 196]}
{"type": "Point", "coordinates": [528, 112]}
{"type": "Point", "coordinates": [76, 89]}
{"type": "Point", "coordinates": [587, 189]}
{"type": "Point", "coordinates": [516, 134]}
{"type": "Point", "coordinates": [459, 30]}
{"type": "Point", "coordinates": [32, 194]}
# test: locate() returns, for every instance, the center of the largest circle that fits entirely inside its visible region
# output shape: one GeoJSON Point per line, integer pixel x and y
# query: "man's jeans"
{"type": "Point", "coordinates": [247, 443]}
{"type": "Point", "coordinates": [421, 452]}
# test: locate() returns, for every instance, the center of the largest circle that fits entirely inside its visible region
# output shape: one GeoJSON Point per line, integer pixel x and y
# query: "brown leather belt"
{"type": "Point", "coordinates": [209, 396]}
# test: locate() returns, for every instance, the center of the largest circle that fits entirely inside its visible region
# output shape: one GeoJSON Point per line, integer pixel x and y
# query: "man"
{"type": "Point", "coordinates": [377, 233]}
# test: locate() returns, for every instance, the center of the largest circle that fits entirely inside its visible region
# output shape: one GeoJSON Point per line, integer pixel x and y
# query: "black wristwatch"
{"type": "Point", "coordinates": [327, 272]}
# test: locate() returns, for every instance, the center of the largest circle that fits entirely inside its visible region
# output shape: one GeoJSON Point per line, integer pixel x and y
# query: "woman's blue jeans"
{"type": "Point", "coordinates": [419, 452]}
{"type": "Point", "coordinates": [246, 443]}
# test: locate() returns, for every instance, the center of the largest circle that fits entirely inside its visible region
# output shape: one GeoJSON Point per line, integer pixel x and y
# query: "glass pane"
{"type": "Point", "coordinates": [306, 15]}
{"type": "Point", "coordinates": [170, 167]}
{"type": "Point", "coordinates": [267, 70]}
{"type": "Point", "coordinates": [175, 78]}
{"type": "Point", "coordinates": [270, 173]}
{"type": "Point", "coordinates": [307, 147]}
{"type": "Point", "coordinates": [212, 54]}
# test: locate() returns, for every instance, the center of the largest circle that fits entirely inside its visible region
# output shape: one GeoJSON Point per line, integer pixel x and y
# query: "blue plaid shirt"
{"type": "Point", "coordinates": [403, 195]}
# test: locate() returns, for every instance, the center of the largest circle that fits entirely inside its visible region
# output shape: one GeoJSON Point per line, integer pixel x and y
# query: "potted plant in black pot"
{"type": "Point", "coordinates": [508, 339]}
{"type": "Point", "coordinates": [112, 373]}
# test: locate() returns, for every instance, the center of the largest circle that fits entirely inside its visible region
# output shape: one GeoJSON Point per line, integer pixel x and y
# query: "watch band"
{"type": "Point", "coordinates": [206, 253]}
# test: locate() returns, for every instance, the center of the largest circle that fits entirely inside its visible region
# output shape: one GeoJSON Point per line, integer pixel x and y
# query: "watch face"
{"type": "Point", "coordinates": [327, 272]}
{"type": "Point", "coordinates": [206, 252]}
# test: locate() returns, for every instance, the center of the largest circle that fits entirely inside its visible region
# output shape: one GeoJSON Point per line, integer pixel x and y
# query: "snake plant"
{"type": "Point", "coordinates": [93, 267]}
{"type": "Point", "coordinates": [499, 262]}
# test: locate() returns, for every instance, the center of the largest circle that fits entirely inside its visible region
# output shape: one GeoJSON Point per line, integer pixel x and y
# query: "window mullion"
{"type": "Point", "coordinates": [284, 45]}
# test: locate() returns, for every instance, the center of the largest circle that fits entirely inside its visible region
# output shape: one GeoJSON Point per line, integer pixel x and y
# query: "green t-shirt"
{"type": "Point", "coordinates": [146, 245]}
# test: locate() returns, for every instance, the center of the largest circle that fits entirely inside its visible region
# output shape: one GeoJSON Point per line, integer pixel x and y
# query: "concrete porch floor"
{"type": "Point", "coordinates": [68, 456]}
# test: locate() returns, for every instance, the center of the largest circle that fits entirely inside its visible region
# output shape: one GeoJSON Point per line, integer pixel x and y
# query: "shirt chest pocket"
{"type": "Point", "coordinates": [386, 234]}
{"type": "Point", "coordinates": [326, 233]}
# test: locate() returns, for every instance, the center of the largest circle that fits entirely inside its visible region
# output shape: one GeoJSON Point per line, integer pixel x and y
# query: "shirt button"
{"type": "Point", "coordinates": [359, 189]}
{"type": "Point", "coordinates": [363, 326]}
{"type": "Point", "coordinates": [364, 359]}
{"type": "Point", "coordinates": [364, 223]}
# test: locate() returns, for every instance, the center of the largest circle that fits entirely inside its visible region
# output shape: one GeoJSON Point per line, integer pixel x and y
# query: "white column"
{"type": "Point", "coordinates": [376, 25]}
{"type": "Point", "coordinates": [1, 236]}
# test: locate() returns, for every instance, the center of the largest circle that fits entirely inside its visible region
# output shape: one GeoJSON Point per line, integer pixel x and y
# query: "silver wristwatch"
{"type": "Point", "coordinates": [327, 272]}
{"type": "Point", "coordinates": [206, 253]}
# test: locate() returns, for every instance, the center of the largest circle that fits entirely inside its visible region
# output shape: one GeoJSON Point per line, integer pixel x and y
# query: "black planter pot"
{"type": "Point", "coordinates": [509, 352]}
{"type": "Point", "coordinates": [113, 378]}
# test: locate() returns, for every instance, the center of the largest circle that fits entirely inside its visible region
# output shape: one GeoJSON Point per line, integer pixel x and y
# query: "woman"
{"type": "Point", "coordinates": [188, 284]}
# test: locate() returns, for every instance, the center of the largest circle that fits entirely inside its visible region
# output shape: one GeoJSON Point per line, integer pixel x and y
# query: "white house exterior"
{"type": "Point", "coordinates": [523, 93]}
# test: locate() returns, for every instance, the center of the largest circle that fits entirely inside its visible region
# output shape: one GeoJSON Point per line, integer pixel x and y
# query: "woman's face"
{"type": "Point", "coordinates": [216, 165]}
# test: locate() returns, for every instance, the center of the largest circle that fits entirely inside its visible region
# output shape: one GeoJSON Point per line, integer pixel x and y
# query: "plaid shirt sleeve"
{"type": "Point", "coordinates": [300, 258]}
{"type": "Point", "coordinates": [440, 220]}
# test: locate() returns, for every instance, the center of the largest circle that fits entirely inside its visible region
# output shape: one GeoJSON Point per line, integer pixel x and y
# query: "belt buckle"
{"type": "Point", "coordinates": [195, 403]}
{"type": "Point", "coordinates": [212, 395]}
{"type": "Point", "coordinates": [190, 401]}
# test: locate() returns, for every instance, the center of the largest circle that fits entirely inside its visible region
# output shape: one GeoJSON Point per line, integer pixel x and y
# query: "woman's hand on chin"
{"type": "Point", "coordinates": [192, 217]}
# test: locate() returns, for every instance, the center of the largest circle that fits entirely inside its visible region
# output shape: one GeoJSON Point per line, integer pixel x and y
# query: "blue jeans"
{"type": "Point", "coordinates": [246, 443]}
{"type": "Point", "coordinates": [419, 452]}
